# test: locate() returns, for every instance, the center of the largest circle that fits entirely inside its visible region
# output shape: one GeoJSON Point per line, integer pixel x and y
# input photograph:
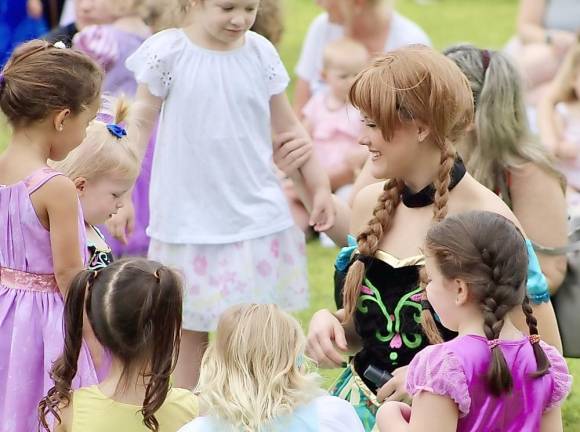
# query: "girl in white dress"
{"type": "Point", "coordinates": [218, 213]}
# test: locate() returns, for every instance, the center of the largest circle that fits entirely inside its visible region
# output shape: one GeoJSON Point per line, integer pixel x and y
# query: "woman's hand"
{"type": "Point", "coordinates": [326, 343]}
{"type": "Point", "coordinates": [395, 389]}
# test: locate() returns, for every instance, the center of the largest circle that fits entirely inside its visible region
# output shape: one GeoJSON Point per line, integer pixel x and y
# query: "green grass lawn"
{"type": "Point", "coordinates": [486, 23]}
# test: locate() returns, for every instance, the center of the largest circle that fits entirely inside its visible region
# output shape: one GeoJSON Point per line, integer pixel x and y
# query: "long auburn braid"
{"type": "Point", "coordinates": [439, 212]}
{"type": "Point", "coordinates": [543, 364]}
{"type": "Point", "coordinates": [368, 241]}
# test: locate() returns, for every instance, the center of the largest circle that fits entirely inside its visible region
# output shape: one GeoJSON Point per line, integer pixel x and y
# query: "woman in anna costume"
{"type": "Point", "coordinates": [416, 105]}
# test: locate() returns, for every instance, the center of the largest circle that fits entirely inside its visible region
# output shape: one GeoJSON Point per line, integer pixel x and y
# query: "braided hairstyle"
{"type": "Point", "coordinates": [408, 84]}
{"type": "Point", "coordinates": [494, 267]}
{"type": "Point", "coordinates": [134, 307]}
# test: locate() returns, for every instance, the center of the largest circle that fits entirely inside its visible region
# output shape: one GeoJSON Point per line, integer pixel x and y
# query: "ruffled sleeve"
{"type": "Point", "coordinates": [153, 62]}
{"type": "Point", "coordinates": [274, 72]}
{"type": "Point", "coordinates": [437, 370]}
{"type": "Point", "coordinates": [537, 283]}
{"type": "Point", "coordinates": [99, 43]}
{"type": "Point", "coordinates": [560, 374]}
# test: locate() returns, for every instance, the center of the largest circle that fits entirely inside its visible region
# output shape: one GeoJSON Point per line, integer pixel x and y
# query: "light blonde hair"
{"type": "Point", "coordinates": [101, 153]}
{"type": "Point", "coordinates": [344, 50]}
{"type": "Point", "coordinates": [251, 373]}
{"type": "Point", "coordinates": [501, 138]}
{"type": "Point", "coordinates": [407, 84]}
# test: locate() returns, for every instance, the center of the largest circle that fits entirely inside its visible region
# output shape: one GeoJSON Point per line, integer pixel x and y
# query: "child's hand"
{"type": "Point", "coordinates": [391, 414]}
{"type": "Point", "coordinates": [395, 388]}
{"type": "Point", "coordinates": [566, 150]}
{"type": "Point", "coordinates": [323, 211]}
{"type": "Point", "coordinates": [34, 8]}
{"type": "Point", "coordinates": [122, 224]}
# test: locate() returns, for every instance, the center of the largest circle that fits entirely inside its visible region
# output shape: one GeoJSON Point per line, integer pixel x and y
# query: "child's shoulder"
{"type": "Point", "coordinates": [183, 400]}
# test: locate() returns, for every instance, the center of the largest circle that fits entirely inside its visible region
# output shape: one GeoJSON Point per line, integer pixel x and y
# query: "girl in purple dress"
{"type": "Point", "coordinates": [110, 45]}
{"type": "Point", "coordinates": [491, 377]}
{"type": "Point", "coordinates": [49, 95]}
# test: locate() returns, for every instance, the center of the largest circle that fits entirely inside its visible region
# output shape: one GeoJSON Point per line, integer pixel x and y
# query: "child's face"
{"type": "Point", "coordinates": [74, 131]}
{"type": "Point", "coordinates": [102, 198]}
{"type": "Point", "coordinates": [442, 294]}
{"type": "Point", "coordinates": [226, 21]}
{"type": "Point", "coordinates": [340, 77]}
{"type": "Point", "coordinates": [89, 12]}
{"type": "Point", "coordinates": [336, 10]}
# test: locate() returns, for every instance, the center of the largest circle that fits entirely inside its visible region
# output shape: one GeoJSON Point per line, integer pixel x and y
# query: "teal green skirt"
{"type": "Point", "coordinates": [350, 387]}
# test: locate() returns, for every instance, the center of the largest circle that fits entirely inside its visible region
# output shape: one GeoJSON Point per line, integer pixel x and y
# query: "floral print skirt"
{"type": "Point", "coordinates": [267, 270]}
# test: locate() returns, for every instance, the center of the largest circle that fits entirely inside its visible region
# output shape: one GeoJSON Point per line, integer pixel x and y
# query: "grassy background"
{"type": "Point", "coordinates": [447, 22]}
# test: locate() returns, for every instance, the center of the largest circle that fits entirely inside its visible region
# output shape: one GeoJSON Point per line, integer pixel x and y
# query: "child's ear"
{"type": "Point", "coordinates": [462, 292]}
{"type": "Point", "coordinates": [81, 185]}
{"type": "Point", "coordinates": [323, 75]}
{"type": "Point", "coordinates": [59, 119]}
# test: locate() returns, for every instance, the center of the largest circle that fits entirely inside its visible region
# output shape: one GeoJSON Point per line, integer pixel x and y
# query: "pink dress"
{"type": "Point", "coordinates": [31, 307]}
{"type": "Point", "coordinates": [458, 368]}
{"type": "Point", "coordinates": [335, 133]}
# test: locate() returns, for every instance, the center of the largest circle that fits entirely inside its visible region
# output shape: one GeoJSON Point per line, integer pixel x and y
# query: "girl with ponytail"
{"type": "Point", "coordinates": [491, 377]}
{"type": "Point", "coordinates": [134, 308]}
{"type": "Point", "coordinates": [416, 106]}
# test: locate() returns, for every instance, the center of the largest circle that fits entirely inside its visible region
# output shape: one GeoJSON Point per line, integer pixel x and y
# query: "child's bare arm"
{"type": "Point", "coordinates": [285, 122]}
{"type": "Point", "coordinates": [144, 114]}
{"type": "Point", "coordinates": [59, 197]}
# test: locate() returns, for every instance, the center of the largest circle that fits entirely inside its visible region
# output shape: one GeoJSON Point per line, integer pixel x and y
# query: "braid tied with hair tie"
{"type": "Point", "coordinates": [368, 241]}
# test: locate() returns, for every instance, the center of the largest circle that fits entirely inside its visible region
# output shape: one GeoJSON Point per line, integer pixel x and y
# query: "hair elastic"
{"type": "Point", "coordinates": [534, 339]}
{"type": "Point", "coordinates": [485, 59]}
{"type": "Point", "coordinates": [492, 343]}
{"type": "Point", "coordinates": [116, 130]}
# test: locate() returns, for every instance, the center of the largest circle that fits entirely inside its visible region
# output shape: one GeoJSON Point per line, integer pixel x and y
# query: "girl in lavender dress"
{"type": "Point", "coordinates": [491, 377]}
{"type": "Point", "coordinates": [110, 45]}
{"type": "Point", "coordinates": [49, 95]}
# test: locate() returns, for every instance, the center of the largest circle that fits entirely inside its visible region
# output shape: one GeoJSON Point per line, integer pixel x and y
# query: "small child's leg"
{"type": "Point", "coordinates": [191, 350]}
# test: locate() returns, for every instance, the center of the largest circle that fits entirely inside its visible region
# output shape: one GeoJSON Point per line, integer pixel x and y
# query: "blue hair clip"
{"type": "Point", "coordinates": [116, 130]}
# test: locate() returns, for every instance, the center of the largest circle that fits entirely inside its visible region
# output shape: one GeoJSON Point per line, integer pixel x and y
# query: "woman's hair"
{"type": "Point", "coordinates": [40, 78]}
{"type": "Point", "coordinates": [134, 308]}
{"type": "Point", "coordinates": [101, 152]}
{"type": "Point", "coordinates": [270, 20]}
{"type": "Point", "coordinates": [408, 84]}
{"type": "Point", "coordinates": [252, 372]}
{"type": "Point", "coordinates": [495, 268]}
{"type": "Point", "coordinates": [501, 138]}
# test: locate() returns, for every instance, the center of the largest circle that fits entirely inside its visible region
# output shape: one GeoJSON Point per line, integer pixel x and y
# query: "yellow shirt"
{"type": "Point", "coordinates": [94, 412]}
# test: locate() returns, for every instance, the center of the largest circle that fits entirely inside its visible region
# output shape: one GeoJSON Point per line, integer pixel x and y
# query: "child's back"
{"type": "Point", "coordinates": [31, 305]}
{"type": "Point", "coordinates": [459, 369]}
{"type": "Point", "coordinates": [94, 412]}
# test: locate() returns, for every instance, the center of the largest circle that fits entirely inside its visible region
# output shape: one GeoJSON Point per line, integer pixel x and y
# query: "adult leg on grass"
{"type": "Point", "coordinates": [191, 350]}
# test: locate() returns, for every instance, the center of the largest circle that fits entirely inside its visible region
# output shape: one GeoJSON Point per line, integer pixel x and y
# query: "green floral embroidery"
{"type": "Point", "coordinates": [371, 294]}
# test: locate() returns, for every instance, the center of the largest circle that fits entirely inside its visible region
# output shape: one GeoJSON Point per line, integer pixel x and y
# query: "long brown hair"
{"type": "Point", "coordinates": [411, 83]}
{"type": "Point", "coordinates": [134, 307]}
{"type": "Point", "coordinates": [501, 139]}
{"type": "Point", "coordinates": [489, 253]}
{"type": "Point", "coordinates": [40, 78]}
